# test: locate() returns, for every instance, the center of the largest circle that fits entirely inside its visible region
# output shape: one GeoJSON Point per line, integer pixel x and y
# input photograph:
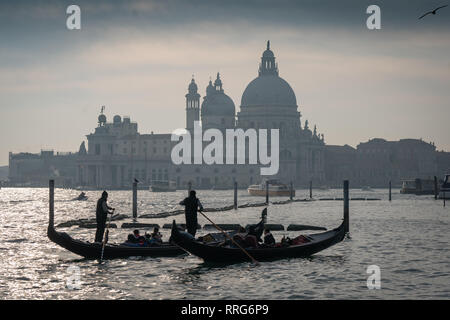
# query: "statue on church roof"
{"type": "Point", "coordinates": [82, 151]}
{"type": "Point", "coordinates": [101, 117]}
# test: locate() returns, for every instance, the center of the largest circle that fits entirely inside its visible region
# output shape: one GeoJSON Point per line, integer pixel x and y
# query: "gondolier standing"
{"type": "Point", "coordinates": [192, 204]}
{"type": "Point", "coordinates": [101, 216]}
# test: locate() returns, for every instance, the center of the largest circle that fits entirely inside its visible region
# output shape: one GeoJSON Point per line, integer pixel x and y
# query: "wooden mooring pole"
{"type": "Point", "coordinates": [51, 186]}
{"type": "Point", "coordinates": [134, 200]}
{"type": "Point", "coordinates": [235, 195]}
{"type": "Point", "coordinates": [435, 188]}
{"type": "Point", "coordinates": [346, 207]}
{"type": "Point", "coordinates": [310, 189]}
{"type": "Point", "coordinates": [267, 192]}
{"type": "Point", "coordinates": [189, 188]}
{"type": "Point", "coordinates": [292, 191]}
{"type": "Point", "coordinates": [390, 190]}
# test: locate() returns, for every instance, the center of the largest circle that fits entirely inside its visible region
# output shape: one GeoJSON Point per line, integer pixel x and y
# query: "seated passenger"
{"type": "Point", "coordinates": [156, 235]}
{"type": "Point", "coordinates": [135, 237]}
{"type": "Point", "coordinates": [245, 239]}
{"type": "Point", "coordinates": [286, 241]}
{"type": "Point", "coordinates": [269, 240]}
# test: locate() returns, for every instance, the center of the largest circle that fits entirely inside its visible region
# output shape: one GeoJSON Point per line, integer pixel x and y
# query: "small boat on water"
{"type": "Point", "coordinates": [81, 197]}
{"type": "Point", "coordinates": [163, 186]}
{"type": "Point", "coordinates": [213, 252]}
{"type": "Point", "coordinates": [445, 188]}
{"type": "Point", "coordinates": [417, 186]}
{"type": "Point", "coordinates": [366, 188]}
{"type": "Point", "coordinates": [276, 189]}
{"type": "Point", "coordinates": [93, 251]}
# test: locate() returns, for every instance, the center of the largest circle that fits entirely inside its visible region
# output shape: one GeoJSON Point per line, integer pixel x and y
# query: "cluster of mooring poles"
{"type": "Point", "coordinates": [235, 194]}
{"type": "Point", "coordinates": [291, 194]}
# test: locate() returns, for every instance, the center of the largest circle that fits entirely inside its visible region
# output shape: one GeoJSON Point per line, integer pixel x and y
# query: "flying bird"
{"type": "Point", "coordinates": [433, 11]}
{"type": "Point", "coordinates": [136, 180]}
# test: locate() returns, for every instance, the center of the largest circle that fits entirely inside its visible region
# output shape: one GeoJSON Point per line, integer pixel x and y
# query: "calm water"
{"type": "Point", "coordinates": [407, 238]}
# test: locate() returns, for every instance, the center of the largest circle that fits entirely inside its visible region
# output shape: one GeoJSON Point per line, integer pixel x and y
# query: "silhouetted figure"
{"type": "Point", "coordinates": [269, 240]}
{"type": "Point", "coordinates": [101, 214]}
{"type": "Point", "coordinates": [156, 235]}
{"type": "Point", "coordinates": [192, 204]}
{"type": "Point", "coordinates": [135, 237]}
{"type": "Point", "coordinates": [432, 11]}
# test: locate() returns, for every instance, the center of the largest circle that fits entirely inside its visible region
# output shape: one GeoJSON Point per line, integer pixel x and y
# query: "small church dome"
{"type": "Point", "coordinates": [117, 119]}
{"type": "Point", "coordinates": [102, 118]}
{"type": "Point", "coordinates": [218, 105]}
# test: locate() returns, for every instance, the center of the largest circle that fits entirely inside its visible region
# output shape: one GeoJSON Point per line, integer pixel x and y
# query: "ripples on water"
{"type": "Point", "coordinates": [407, 238]}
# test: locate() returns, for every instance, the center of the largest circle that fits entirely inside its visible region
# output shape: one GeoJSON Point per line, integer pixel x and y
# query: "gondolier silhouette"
{"type": "Point", "coordinates": [192, 204]}
{"type": "Point", "coordinates": [101, 213]}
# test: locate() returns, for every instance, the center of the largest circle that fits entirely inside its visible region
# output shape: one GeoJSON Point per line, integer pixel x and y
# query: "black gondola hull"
{"type": "Point", "coordinates": [217, 254]}
{"type": "Point", "coordinates": [93, 250]}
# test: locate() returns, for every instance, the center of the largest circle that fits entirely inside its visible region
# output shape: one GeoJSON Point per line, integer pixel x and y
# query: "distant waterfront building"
{"type": "Point", "coordinates": [117, 153]}
{"type": "Point", "coordinates": [35, 169]}
{"type": "Point", "coordinates": [376, 162]}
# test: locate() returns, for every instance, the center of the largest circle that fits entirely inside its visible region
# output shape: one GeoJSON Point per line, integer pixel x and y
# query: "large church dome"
{"type": "Point", "coordinates": [268, 89]}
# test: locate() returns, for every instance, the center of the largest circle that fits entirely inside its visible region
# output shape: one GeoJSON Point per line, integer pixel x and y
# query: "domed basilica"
{"type": "Point", "coordinates": [117, 153]}
{"type": "Point", "coordinates": [268, 102]}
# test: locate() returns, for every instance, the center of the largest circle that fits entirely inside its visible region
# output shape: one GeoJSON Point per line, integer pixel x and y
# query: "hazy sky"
{"type": "Point", "coordinates": [137, 59]}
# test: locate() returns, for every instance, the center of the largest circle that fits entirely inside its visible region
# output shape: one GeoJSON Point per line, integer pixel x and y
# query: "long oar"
{"type": "Point", "coordinates": [105, 236]}
{"type": "Point", "coordinates": [228, 236]}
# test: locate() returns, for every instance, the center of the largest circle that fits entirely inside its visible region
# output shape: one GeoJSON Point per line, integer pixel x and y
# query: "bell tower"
{"type": "Point", "coordinates": [192, 105]}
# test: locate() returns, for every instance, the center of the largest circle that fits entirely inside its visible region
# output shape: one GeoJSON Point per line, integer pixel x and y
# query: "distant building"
{"type": "Point", "coordinates": [28, 169]}
{"type": "Point", "coordinates": [443, 163]}
{"type": "Point", "coordinates": [339, 164]}
{"type": "Point", "coordinates": [376, 162]}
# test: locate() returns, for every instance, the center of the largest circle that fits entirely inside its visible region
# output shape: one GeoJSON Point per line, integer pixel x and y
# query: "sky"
{"type": "Point", "coordinates": [137, 58]}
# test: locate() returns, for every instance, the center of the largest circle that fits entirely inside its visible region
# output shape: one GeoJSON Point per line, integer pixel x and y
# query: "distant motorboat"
{"type": "Point", "coordinates": [163, 186]}
{"type": "Point", "coordinates": [366, 188]}
{"type": "Point", "coordinates": [81, 197]}
{"type": "Point", "coordinates": [276, 189]}
{"type": "Point", "coordinates": [445, 188]}
{"type": "Point", "coordinates": [417, 186]}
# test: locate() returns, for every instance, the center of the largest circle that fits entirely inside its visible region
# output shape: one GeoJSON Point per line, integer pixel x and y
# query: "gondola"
{"type": "Point", "coordinates": [213, 253]}
{"type": "Point", "coordinates": [91, 250]}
